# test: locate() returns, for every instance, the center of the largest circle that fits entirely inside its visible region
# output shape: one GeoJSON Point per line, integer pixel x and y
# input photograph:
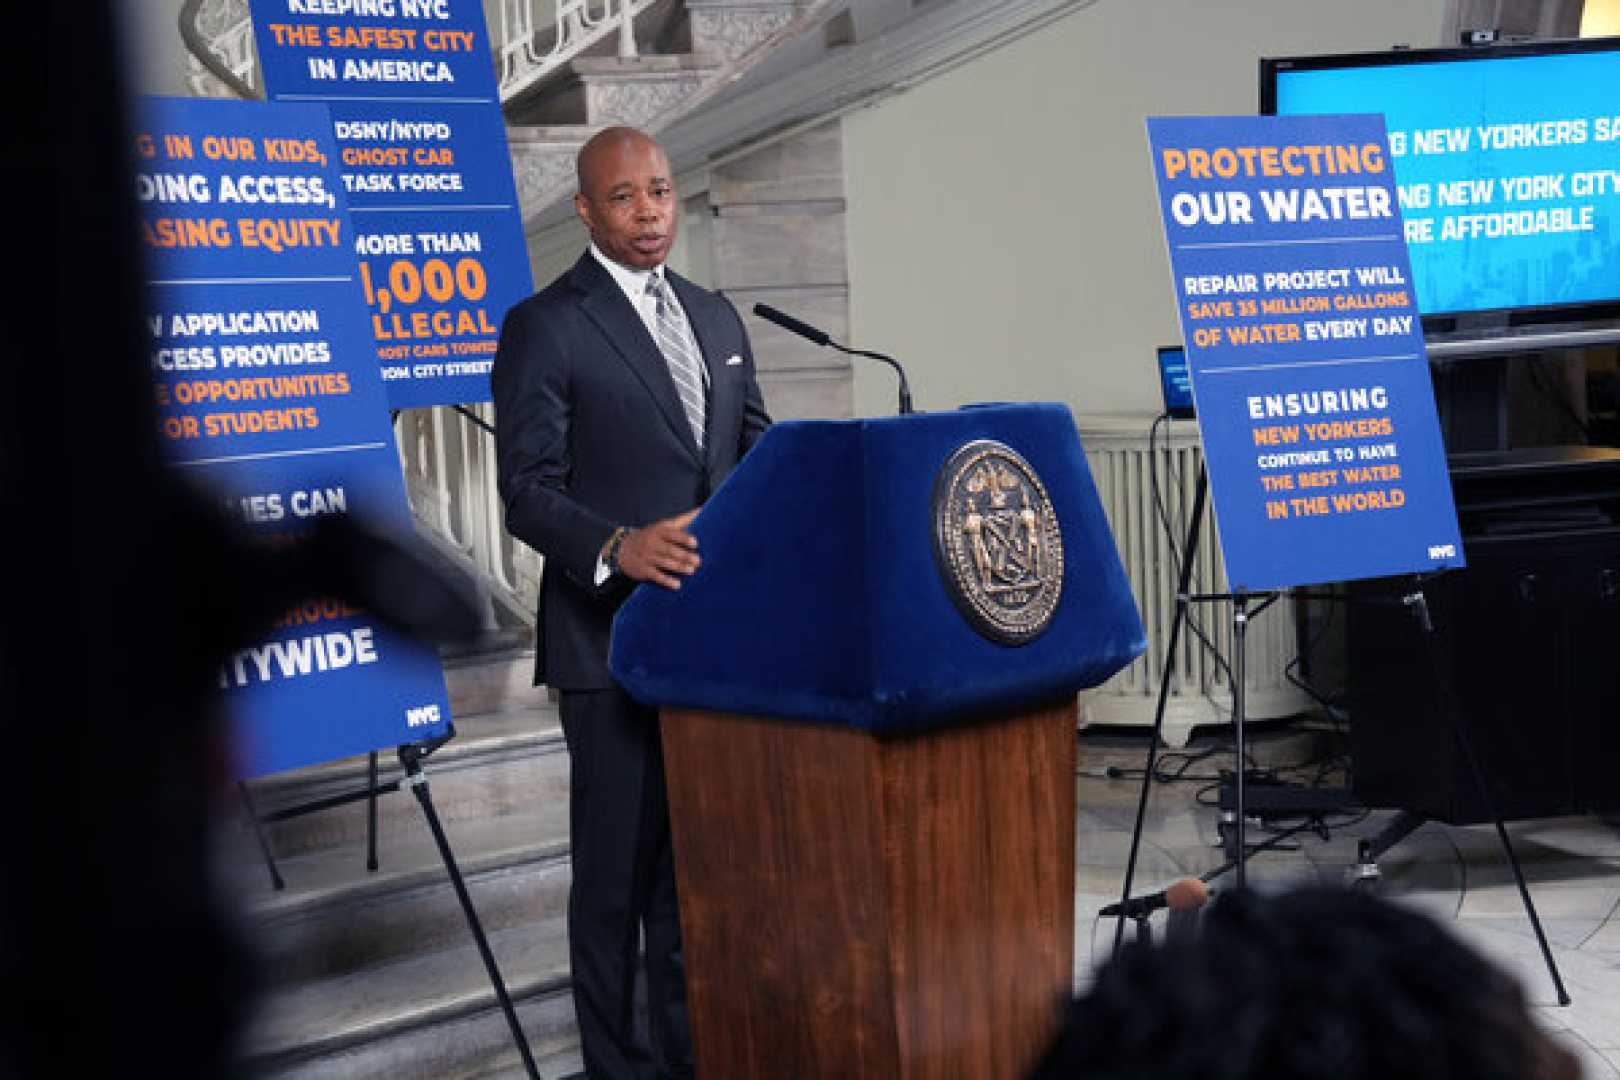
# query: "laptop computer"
{"type": "Point", "coordinates": [1175, 382]}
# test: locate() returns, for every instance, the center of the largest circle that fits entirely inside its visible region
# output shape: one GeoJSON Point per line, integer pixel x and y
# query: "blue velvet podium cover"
{"type": "Point", "coordinates": [819, 598]}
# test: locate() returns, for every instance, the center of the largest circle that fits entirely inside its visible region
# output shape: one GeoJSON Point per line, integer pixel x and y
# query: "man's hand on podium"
{"type": "Point", "coordinates": [662, 553]}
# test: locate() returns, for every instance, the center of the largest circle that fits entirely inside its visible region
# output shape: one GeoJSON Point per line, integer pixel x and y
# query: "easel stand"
{"type": "Point", "coordinates": [1405, 822]}
{"type": "Point", "coordinates": [368, 793]}
{"type": "Point", "coordinates": [1183, 584]}
{"type": "Point", "coordinates": [257, 822]}
{"type": "Point", "coordinates": [1398, 829]}
{"type": "Point", "coordinates": [411, 757]}
{"type": "Point", "coordinates": [1241, 614]}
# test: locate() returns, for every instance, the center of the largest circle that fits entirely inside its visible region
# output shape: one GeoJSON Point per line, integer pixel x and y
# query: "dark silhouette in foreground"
{"type": "Point", "coordinates": [1315, 984]}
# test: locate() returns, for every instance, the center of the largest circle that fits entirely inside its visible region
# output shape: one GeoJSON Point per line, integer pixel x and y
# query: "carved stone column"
{"type": "Point", "coordinates": [776, 234]}
{"type": "Point", "coordinates": [1515, 18]}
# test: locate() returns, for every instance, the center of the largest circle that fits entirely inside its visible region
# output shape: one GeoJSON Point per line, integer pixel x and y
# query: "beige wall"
{"type": "Point", "coordinates": [1003, 231]}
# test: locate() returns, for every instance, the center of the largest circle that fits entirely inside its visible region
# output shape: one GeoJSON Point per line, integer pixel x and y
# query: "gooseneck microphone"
{"type": "Point", "coordinates": [1188, 894]}
{"type": "Point", "coordinates": [821, 337]}
{"type": "Point", "coordinates": [788, 322]}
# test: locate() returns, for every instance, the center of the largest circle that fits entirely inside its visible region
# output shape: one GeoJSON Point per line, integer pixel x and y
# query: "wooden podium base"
{"type": "Point", "coordinates": [862, 907]}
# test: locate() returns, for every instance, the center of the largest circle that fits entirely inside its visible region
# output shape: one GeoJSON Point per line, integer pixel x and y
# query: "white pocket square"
{"type": "Point", "coordinates": [733, 361]}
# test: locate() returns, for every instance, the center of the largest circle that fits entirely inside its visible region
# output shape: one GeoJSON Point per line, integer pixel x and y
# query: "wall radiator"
{"type": "Point", "coordinates": [1200, 688]}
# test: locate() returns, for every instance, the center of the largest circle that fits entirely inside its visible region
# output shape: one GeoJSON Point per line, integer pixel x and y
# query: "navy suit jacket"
{"type": "Point", "coordinates": [590, 435]}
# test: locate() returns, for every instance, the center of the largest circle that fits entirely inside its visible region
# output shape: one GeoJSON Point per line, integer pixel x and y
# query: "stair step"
{"type": "Point", "coordinates": [429, 1015]}
{"type": "Point", "coordinates": [334, 917]}
{"type": "Point", "coordinates": [550, 136]}
{"type": "Point", "coordinates": [612, 67]}
{"type": "Point", "coordinates": [492, 681]}
{"type": "Point", "coordinates": [557, 1066]}
{"type": "Point", "coordinates": [543, 161]}
{"type": "Point", "coordinates": [498, 764]}
{"type": "Point", "coordinates": [661, 27]}
{"type": "Point", "coordinates": [607, 90]}
{"type": "Point", "coordinates": [491, 642]}
{"type": "Point", "coordinates": [376, 973]}
{"type": "Point", "coordinates": [735, 31]}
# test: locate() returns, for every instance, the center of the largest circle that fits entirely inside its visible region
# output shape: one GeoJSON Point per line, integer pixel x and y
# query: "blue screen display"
{"type": "Point", "coordinates": [1508, 169]}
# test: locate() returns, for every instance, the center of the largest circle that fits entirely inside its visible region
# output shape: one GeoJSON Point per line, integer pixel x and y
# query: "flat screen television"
{"type": "Point", "coordinates": [1507, 159]}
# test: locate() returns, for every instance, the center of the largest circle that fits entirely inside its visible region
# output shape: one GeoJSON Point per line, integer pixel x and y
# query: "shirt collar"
{"type": "Point", "coordinates": [633, 282]}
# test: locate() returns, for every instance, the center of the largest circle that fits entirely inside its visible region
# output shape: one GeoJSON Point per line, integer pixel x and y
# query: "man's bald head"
{"type": "Point", "coordinates": [627, 197]}
{"type": "Point", "coordinates": [603, 147]}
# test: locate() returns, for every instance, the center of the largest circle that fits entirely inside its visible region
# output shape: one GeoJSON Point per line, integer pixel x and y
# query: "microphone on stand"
{"type": "Point", "coordinates": [1188, 894]}
{"type": "Point", "coordinates": [821, 337]}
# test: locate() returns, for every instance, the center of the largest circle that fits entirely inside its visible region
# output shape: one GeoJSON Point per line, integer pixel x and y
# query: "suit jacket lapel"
{"type": "Point", "coordinates": [605, 304]}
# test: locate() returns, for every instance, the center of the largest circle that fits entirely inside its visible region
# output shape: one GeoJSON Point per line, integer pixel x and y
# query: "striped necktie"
{"type": "Point", "coordinates": [680, 351]}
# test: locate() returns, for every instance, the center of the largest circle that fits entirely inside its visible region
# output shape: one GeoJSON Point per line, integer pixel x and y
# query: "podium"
{"type": "Point", "coordinates": [867, 698]}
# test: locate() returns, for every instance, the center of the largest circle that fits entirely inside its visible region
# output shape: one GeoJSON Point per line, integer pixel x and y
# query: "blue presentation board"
{"type": "Point", "coordinates": [422, 151]}
{"type": "Point", "coordinates": [1308, 366]}
{"type": "Point", "coordinates": [269, 402]}
{"type": "Point", "coordinates": [1508, 170]}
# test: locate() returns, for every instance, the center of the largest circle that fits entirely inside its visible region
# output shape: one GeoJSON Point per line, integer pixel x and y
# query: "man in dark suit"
{"type": "Point", "coordinates": [624, 394]}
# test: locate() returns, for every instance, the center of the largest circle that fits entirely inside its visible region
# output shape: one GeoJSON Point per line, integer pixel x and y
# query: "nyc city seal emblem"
{"type": "Point", "coordinates": [997, 542]}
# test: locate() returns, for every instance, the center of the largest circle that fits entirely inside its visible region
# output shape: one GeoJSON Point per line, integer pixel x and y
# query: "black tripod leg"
{"type": "Point", "coordinates": [1420, 609]}
{"type": "Point", "coordinates": [1240, 628]}
{"type": "Point", "coordinates": [264, 841]}
{"type": "Point", "coordinates": [1183, 588]}
{"type": "Point", "coordinates": [371, 813]}
{"type": "Point", "coordinates": [1368, 852]}
{"type": "Point", "coordinates": [418, 782]}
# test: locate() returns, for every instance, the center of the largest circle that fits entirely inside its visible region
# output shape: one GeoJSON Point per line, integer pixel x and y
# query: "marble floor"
{"type": "Point", "coordinates": [1457, 874]}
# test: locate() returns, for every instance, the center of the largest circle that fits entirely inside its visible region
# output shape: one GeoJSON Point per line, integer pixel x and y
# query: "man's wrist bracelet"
{"type": "Point", "coordinates": [610, 553]}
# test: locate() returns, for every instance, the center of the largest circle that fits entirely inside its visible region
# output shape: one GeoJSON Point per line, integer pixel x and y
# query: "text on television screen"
{"type": "Point", "coordinates": [1508, 171]}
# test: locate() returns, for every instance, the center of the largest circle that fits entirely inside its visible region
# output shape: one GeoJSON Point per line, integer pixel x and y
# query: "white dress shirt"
{"type": "Point", "coordinates": [634, 284]}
